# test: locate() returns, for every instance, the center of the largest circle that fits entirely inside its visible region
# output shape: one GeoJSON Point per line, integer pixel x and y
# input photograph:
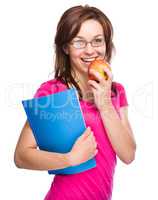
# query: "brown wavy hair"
{"type": "Point", "coordinates": [67, 28]}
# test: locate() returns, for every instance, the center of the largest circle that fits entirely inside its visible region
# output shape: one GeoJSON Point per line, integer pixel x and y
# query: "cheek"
{"type": "Point", "coordinates": [76, 54]}
{"type": "Point", "coordinates": [75, 57]}
{"type": "Point", "coordinates": [102, 51]}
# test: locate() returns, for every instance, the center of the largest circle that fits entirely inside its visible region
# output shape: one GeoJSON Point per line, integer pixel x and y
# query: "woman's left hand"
{"type": "Point", "coordinates": [101, 88]}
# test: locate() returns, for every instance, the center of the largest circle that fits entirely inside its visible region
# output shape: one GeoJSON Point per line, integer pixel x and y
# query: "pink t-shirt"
{"type": "Point", "coordinates": [96, 183]}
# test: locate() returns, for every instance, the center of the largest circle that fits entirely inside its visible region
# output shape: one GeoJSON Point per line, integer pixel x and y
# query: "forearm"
{"type": "Point", "coordinates": [36, 159]}
{"type": "Point", "coordinates": [119, 136]}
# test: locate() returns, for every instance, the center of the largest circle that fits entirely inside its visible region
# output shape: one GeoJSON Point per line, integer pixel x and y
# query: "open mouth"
{"type": "Point", "coordinates": [88, 60]}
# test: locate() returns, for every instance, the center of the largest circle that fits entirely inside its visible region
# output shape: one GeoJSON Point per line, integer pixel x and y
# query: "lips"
{"type": "Point", "coordinates": [88, 59]}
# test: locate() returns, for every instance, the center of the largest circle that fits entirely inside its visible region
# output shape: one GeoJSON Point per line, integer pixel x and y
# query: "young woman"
{"type": "Point", "coordinates": [84, 34]}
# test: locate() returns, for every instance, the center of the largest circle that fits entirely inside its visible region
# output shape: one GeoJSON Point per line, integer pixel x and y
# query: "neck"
{"type": "Point", "coordinates": [82, 81]}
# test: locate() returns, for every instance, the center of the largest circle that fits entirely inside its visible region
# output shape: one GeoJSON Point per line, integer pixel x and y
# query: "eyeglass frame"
{"type": "Point", "coordinates": [86, 43]}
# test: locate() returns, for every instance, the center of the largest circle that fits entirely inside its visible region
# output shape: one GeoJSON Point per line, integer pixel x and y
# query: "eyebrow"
{"type": "Point", "coordinates": [93, 37]}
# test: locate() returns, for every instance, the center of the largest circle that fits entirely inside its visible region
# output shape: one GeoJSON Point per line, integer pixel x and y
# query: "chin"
{"type": "Point", "coordinates": [83, 70]}
{"type": "Point", "coordinates": [84, 67]}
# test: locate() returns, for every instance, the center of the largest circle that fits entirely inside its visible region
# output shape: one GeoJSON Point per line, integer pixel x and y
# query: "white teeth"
{"type": "Point", "coordinates": [88, 59]}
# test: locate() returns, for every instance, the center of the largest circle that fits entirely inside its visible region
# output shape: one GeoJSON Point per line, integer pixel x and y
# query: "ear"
{"type": "Point", "coordinates": [65, 49]}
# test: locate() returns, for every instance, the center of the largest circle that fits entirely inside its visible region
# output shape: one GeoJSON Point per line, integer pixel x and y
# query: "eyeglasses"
{"type": "Point", "coordinates": [81, 44]}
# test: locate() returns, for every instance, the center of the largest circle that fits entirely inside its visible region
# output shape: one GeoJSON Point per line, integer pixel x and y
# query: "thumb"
{"type": "Point", "coordinates": [86, 133]}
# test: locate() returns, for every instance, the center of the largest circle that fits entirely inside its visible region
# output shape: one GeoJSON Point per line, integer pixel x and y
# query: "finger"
{"type": "Point", "coordinates": [109, 73]}
{"type": "Point", "coordinates": [93, 84]}
{"type": "Point", "coordinates": [96, 151]}
{"type": "Point", "coordinates": [94, 142]}
{"type": "Point", "coordinates": [86, 133]}
{"type": "Point", "coordinates": [93, 90]}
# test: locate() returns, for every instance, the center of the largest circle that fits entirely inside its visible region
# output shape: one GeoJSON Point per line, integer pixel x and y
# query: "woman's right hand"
{"type": "Point", "coordinates": [83, 149]}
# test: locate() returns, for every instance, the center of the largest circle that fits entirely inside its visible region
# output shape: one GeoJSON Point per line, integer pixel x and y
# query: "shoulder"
{"type": "Point", "coordinates": [121, 93]}
{"type": "Point", "coordinates": [50, 87]}
{"type": "Point", "coordinates": [119, 87]}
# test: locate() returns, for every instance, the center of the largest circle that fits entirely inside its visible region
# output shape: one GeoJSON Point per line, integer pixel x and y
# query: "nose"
{"type": "Point", "coordinates": [89, 49]}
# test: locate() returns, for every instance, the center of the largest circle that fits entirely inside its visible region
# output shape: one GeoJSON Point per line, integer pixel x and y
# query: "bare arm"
{"type": "Point", "coordinates": [28, 156]}
{"type": "Point", "coordinates": [120, 133]}
{"type": "Point", "coordinates": [118, 130]}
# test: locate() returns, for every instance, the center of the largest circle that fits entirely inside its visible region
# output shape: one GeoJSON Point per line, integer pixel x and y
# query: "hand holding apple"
{"type": "Point", "coordinates": [99, 66]}
{"type": "Point", "coordinates": [100, 82]}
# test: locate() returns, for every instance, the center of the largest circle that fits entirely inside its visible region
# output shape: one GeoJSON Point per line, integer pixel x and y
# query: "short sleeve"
{"type": "Point", "coordinates": [46, 88]}
{"type": "Point", "coordinates": [122, 95]}
{"type": "Point", "coordinates": [49, 87]}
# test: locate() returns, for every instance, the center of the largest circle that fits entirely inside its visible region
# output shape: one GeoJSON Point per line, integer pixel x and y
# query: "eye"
{"type": "Point", "coordinates": [79, 43]}
{"type": "Point", "coordinates": [98, 40]}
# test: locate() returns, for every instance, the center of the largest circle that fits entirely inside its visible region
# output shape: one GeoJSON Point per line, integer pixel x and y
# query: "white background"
{"type": "Point", "coordinates": [27, 31]}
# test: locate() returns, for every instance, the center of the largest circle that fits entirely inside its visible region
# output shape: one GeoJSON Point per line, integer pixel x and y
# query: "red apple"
{"type": "Point", "coordinates": [99, 66]}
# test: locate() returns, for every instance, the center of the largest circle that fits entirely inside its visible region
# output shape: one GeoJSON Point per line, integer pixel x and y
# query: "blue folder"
{"type": "Point", "coordinates": [57, 121]}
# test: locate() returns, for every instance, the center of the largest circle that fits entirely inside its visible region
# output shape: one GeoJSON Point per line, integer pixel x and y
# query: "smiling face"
{"type": "Point", "coordinates": [80, 58]}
